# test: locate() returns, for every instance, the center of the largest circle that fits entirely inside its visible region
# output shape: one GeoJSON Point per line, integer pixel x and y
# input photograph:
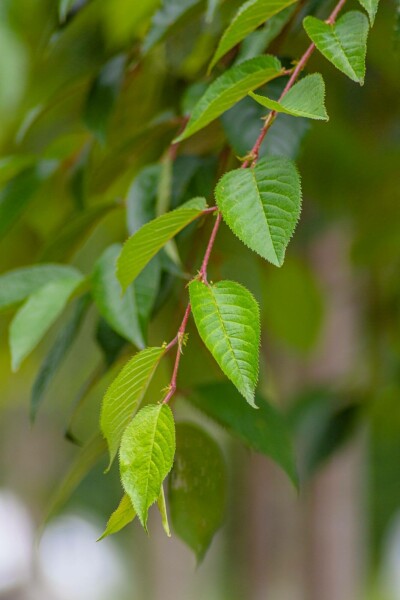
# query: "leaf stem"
{"type": "Point", "coordinates": [250, 161]}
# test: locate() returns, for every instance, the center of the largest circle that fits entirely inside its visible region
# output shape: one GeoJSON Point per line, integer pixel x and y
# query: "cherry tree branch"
{"type": "Point", "coordinates": [250, 161]}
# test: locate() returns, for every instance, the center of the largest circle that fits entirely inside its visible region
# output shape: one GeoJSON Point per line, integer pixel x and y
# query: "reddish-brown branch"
{"type": "Point", "coordinates": [250, 161]}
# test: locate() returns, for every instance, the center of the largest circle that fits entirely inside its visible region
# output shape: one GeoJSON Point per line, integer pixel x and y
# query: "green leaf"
{"type": "Point", "coordinates": [250, 15]}
{"type": "Point", "coordinates": [140, 248]}
{"type": "Point", "coordinates": [103, 95]}
{"type": "Point", "coordinates": [197, 488]}
{"type": "Point", "coordinates": [125, 394]}
{"type": "Point", "coordinates": [36, 316]}
{"type": "Point", "coordinates": [120, 518]}
{"type": "Point", "coordinates": [305, 99]}
{"type": "Point", "coordinates": [371, 6]}
{"type": "Point", "coordinates": [262, 205]}
{"type": "Point", "coordinates": [163, 512]}
{"type": "Point", "coordinates": [121, 312]}
{"type": "Point", "coordinates": [264, 430]}
{"type": "Point", "coordinates": [17, 285]}
{"type": "Point", "coordinates": [64, 6]}
{"type": "Point", "coordinates": [228, 320]}
{"type": "Point", "coordinates": [344, 43]}
{"type": "Point", "coordinates": [146, 456]}
{"type": "Point", "coordinates": [171, 16]}
{"type": "Point", "coordinates": [86, 459]}
{"type": "Point", "coordinates": [141, 197]}
{"type": "Point", "coordinates": [229, 88]}
{"type": "Point", "coordinates": [57, 353]}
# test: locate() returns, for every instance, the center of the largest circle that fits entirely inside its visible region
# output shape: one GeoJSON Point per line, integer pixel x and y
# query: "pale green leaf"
{"type": "Point", "coordinates": [146, 456]}
{"type": "Point", "coordinates": [264, 430]}
{"type": "Point", "coordinates": [305, 99]}
{"type": "Point", "coordinates": [163, 512]}
{"type": "Point", "coordinates": [140, 248]}
{"type": "Point", "coordinates": [228, 321]}
{"type": "Point", "coordinates": [371, 6]}
{"type": "Point", "coordinates": [57, 353]}
{"type": "Point", "coordinates": [17, 285]}
{"type": "Point", "coordinates": [197, 488]}
{"type": "Point", "coordinates": [121, 312]}
{"type": "Point", "coordinates": [120, 518]}
{"type": "Point", "coordinates": [125, 394]}
{"type": "Point", "coordinates": [229, 88]}
{"type": "Point", "coordinates": [36, 316]}
{"type": "Point", "coordinates": [344, 43]}
{"type": "Point", "coordinates": [250, 15]}
{"type": "Point", "coordinates": [262, 205]}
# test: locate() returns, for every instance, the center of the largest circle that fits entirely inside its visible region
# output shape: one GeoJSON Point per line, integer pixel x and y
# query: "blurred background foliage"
{"type": "Point", "coordinates": [91, 95]}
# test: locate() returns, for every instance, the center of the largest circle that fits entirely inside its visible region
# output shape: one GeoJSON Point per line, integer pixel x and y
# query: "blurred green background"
{"type": "Point", "coordinates": [88, 98]}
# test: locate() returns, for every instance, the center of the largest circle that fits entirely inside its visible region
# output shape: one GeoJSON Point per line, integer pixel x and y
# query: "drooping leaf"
{"type": "Point", "coordinates": [141, 198]}
{"type": "Point", "coordinates": [250, 15]}
{"type": "Point", "coordinates": [57, 353]}
{"type": "Point", "coordinates": [102, 96]}
{"type": "Point", "coordinates": [229, 88]}
{"type": "Point", "coordinates": [87, 457]}
{"type": "Point", "coordinates": [121, 312]}
{"type": "Point", "coordinates": [305, 99]}
{"type": "Point", "coordinates": [109, 341]}
{"type": "Point", "coordinates": [227, 318]}
{"type": "Point", "coordinates": [140, 248]}
{"type": "Point", "coordinates": [264, 430]}
{"type": "Point", "coordinates": [35, 317]}
{"type": "Point", "coordinates": [18, 284]}
{"type": "Point", "coordinates": [64, 6]}
{"type": "Point", "coordinates": [171, 16]}
{"type": "Point", "coordinates": [371, 6]}
{"type": "Point", "coordinates": [344, 43]}
{"type": "Point", "coordinates": [146, 456]}
{"type": "Point", "coordinates": [120, 518]}
{"type": "Point", "coordinates": [65, 242]}
{"type": "Point", "coordinates": [162, 507]}
{"type": "Point", "coordinates": [262, 205]}
{"type": "Point", "coordinates": [197, 488]}
{"type": "Point", "coordinates": [125, 394]}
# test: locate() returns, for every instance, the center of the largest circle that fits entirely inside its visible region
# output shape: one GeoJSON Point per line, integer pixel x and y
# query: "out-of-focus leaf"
{"type": "Point", "coordinates": [36, 316]}
{"type": "Point", "coordinates": [265, 430]}
{"type": "Point", "coordinates": [171, 16]}
{"type": "Point", "coordinates": [120, 311]}
{"type": "Point", "coordinates": [163, 512]}
{"type": "Point", "coordinates": [57, 353]}
{"type": "Point", "coordinates": [146, 456]}
{"type": "Point", "coordinates": [18, 192]}
{"type": "Point", "coordinates": [102, 96]}
{"type": "Point", "coordinates": [13, 67]}
{"type": "Point", "coordinates": [18, 284]}
{"type": "Point", "coordinates": [124, 18]}
{"type": "Point", "coordinates": [125, 394]}
{"type": "Point", "coordinates": [250, 15]}
{"type": "Point", "coordinates": [109, 341]}
{"type": "Point", "coordinates": [120, 518]}
{"type": "Point", "coordinates": [64, 6]}
{"type": "Point", "coordinates": [86, 459]}
{"type": "Point", "coordinates": [197, 488]}
{"type": "Point", "coordinates": [141, 198]}
{"type": "Point", "coordinates": [69, 237]}
{"type": "Point", "coordinates": [228, 89]}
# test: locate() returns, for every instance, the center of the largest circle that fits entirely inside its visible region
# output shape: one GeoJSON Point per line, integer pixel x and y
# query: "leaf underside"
{"type": "Point", "coordinates": [120, 518]}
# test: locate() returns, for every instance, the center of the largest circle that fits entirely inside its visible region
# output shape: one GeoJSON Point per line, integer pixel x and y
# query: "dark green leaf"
{"type": "Point", "coordinates": [171, 16]}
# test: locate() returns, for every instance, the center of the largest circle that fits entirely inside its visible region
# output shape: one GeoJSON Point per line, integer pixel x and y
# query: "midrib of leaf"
{"type": "Point", "coordinates": [151, 461]}
{"type": "Point", "coordinates": [252, 171]}
{"type": "Point", "coordinates": [343, 51]}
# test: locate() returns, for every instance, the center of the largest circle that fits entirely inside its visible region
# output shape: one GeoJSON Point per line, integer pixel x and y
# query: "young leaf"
{"type": "Point", "coordinates": [197, 488]}
{"type": "Point", "coordinates": [229, 88]}
{"type": "Point", "coordinates": [228, 320]}
{"type": "Point", "coordinates": [120, 518]}
{"type": "Point", "coordinates": [146, 456]}
{"type": "Point", "coordinates": [140, 248]}
{"type": "Point", "coordinates": [17, 285]}
{"type": "Point", "coordinates": [344, 43]}
{"type": "Point", "coordinates": [305, 99]}
{"type": "Point", "coordinates": [125, 394]}
{"type": "Point", "coordinates": [262, 205]}
{"type": "Point", "coordinates": [171, 16]}
{"type": "Point", "coordinates": [250, 15]}
{"type": "Point", "coordinates": [163, 512]}
{"type": "Point", "coordinates": [36, 316]}
{"type": "Point", "coordinates": [264, 430]}
{"type": "Point", "coordinates": [102, 96]}
{"type": "Point", "coordinates": [371, 6]}
{"type": "Point", "coordinates": [121, 312]}
{"type": "Point", "coordinates": [57, 353]}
